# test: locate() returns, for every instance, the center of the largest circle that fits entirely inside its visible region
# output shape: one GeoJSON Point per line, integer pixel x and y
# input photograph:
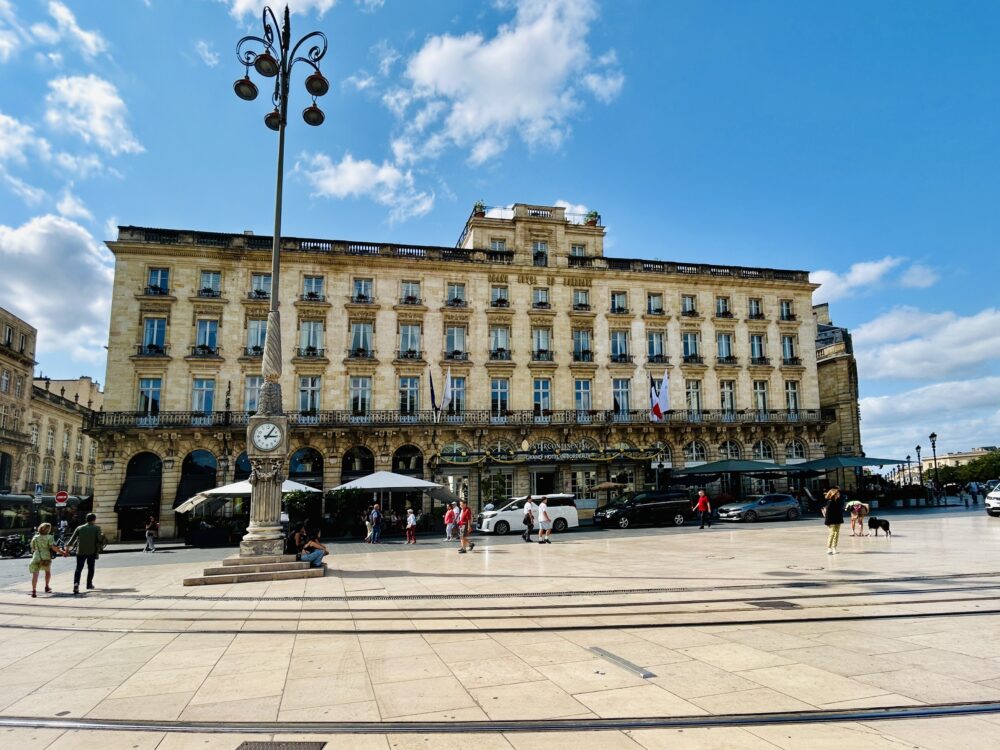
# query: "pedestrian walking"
{"type": "Point", "coordinates": [43, 548]}
{"type": "Point", "coordinates": [367, 518]}
{"type": "Point", "coordinates": [376, 519]}
{"type": "Point", "coordinates": [313, 551]}
{"type": "Point", "coordinates": [833, 517]}
{"type": "Point", "coordinates": [411, 527]}
{"type": "Point", "coordinates": [704, 507]}
{"type": "Point", "coordinates": [450, 516]}
{"type": "Point", "coordinates": [88, 541]}
{"type": "Point", "coordinates": [544, 523]}
{"type": "Point", "coordinates": [152, 527]}
{"type": "Point", "coordinates": [465, 528]}
{"type": "Point", "coordinates": [529, 519]}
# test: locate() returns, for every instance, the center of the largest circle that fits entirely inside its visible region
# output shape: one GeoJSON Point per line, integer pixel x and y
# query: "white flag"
{"type": "Point", "coordinates": [663, 399]}
{"type": "Point", "coordinates": [446, 398]}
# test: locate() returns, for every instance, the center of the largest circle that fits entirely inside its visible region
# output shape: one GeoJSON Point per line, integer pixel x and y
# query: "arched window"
{"type": "Point", "coordinates": [795, 451]}
{"type": "Point", "coordinates": [357, 462]}
{"type": "Point", "coordinates": [32, 473]}
{"type": "Point", "coordinates": [197, 475]}
{"type": "Point", "coordinates": [455, 453]}
{"type": "Point", "coordinates": [695, 451]}
{"type": "Point", "coordinates": [306, 467]}
{"type": "Point", "coordinates": [408, 460]}
{"type": "Point", "coordinates": [763, 451]}
{"type": "Point", "coordinates": [47, 469]}
{"type": "Point", "coordinates": [730, 450]}
{"type": "Point", "coordinates": [139, 496]}
{"type": "Point", "coordinates": [242, 470]}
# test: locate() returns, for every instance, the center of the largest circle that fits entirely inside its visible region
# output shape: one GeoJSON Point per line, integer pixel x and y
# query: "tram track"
{"type": "Point", "coordinates": [886, 713]}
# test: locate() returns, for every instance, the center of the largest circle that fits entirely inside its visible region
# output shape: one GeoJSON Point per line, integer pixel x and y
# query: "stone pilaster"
{"type": "Point", "coordinates": [168, 493]}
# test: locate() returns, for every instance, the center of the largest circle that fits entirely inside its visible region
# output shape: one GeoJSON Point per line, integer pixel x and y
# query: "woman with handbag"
{"type": "Point", "coordinates": [833, 517]}
{"type": "Point", "coordinates": [43, 549]}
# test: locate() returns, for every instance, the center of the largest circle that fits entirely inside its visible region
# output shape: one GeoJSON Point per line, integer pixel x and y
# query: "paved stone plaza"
{"type": "Point", "coordinates": [735, 620]}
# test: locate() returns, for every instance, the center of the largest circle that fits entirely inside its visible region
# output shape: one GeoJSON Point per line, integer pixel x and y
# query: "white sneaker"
{"type": "Point", "coordinates": [829, 552]}
{"type": "Point", "coordinates": [835, 551]}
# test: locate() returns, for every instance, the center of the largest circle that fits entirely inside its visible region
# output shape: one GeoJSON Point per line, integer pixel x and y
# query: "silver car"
{"type": "Point", "coordinates": [760, 507]}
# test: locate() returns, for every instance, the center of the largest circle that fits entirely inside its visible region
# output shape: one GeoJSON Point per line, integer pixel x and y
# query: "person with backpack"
{"type": "Point", "coordinates": [376, 519]}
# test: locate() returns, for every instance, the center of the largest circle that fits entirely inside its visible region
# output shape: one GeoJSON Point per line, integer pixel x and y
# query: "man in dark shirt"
{"type": "Point", "coordinates": [376, 518]}
{"type": "Point", "coordinates": [89, 540]}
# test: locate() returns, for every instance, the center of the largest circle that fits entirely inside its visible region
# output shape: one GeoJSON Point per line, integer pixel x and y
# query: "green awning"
{"type": "Point", "coordinates": [846, 462]}
{"type": "Point", "coordinates": [737, 466]}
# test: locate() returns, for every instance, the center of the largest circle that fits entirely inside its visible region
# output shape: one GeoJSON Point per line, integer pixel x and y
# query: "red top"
{"type": "Point", "coordinates": [449, 517]}
{"type": "Point", "coordinates": [465, 516]}
{"type": "Point", "coordinates": [703, 502]}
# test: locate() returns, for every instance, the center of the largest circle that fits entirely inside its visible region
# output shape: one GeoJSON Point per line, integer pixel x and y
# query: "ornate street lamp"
{"type": "Point", "coordinates": [909, 476]}
{"type": "Point", "coordinates": [933, 438]}
{"type": "Point", "coordinates": [273, 56]}
{"type": "Point", "coordinates": [920, 467]}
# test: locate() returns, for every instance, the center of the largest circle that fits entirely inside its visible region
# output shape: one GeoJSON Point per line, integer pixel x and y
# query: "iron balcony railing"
{"type": "Point", "coordinates": [500, 355]}
{"type": "Point", "coordinates": [539, 305]}
{"type": "Point", "coordinates": [500, 302]}
{"type": "Point", "coordinates": [361, 299]}
{"type": "Point", "coordinates": [156, 291]}
{"type": "Point", "coordinates": [755, 316]}
{"type": "Point", "coordinates": [654, 311]}
{"type": "Point", "coordinates": [583, 356]}
{"type": "Point", "coordinates": [258, 294]}
{"type": "Point", "coordinates": [204, 350]}
{"type": "Point", "coordinates": [209, 292]}
{"type": "Point", "coordinates": [410, 299]}
{"type": "Point", "coordinates": [692, 313]}
{"type": "Point", "coordinates": [114, 420]}
{"type": "Point", "coordinates": [311, 351]}
{"type": "Point", "coordinates": [727, 360]}
{"type": "Point", "coordinates": [581, 306]}
{"type": "Point", "coordinates": [622, 359]}
{"type": "Point", "coordinates": [312, 297]}
{"type": "Point", "coordinates": [360, 353]}
{"type": "Point", "coordinates": [150, 350]}
{"type": "Point", "coordinates": [409, 354]}
{"type": "Point", "coordinates": [542, 355]}
{"type": "Point", "coordinates": [789, 316]}
{"type": "Point", "coordinates": [257, 350]}
{"type": "Point", "coordinates": [456, 302]}
{"type": "Point", "coordinates": [694, 359]}
{"type": "Point", "coordinates": [760, 361]}
{"type": "Point", "coordinates": [659, 359]}
{"type": "Point", "coordinates": [791, 360]}
{"type": "Point", "coordinates": [456, 355]}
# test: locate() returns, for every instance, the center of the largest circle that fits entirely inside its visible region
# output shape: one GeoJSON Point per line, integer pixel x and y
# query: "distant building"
{"type": "Point", "coordinates": [17, 365]}
{"type": "Point", "coordinates": [837, 372]}
{"type": "Point", "coordinates": [958, 458]}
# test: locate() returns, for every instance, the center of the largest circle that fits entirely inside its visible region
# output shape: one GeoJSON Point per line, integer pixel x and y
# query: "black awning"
{"type": "Point", "coordinates": [138, 492]}
{"type": "Point", "coordinates": [191, 485]}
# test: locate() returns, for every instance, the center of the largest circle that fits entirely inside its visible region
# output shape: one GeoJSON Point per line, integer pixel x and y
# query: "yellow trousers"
{"type": "Point", "coordinates": [831, 543]}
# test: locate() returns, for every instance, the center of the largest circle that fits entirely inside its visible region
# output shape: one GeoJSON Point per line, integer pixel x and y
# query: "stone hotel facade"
{"type": "Point", "coordinates": [551, 348]}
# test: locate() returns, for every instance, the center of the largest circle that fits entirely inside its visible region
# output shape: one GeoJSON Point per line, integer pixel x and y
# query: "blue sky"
{"type": "Point", "coordinates": [854, 140]}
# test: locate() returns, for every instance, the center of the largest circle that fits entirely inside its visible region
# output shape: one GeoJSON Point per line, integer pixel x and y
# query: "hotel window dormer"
{"type": "Point", "coordinates": [619, 302]}
{"type": "Point", "coordinates": [455, 295]}
{"type": "Point", "coordinates": [409, 293]}
{"type": "Point", "coordinates": [312, 288]}
{"type": "Point", "coordinates": [499, 296]}
{"type": "Point", "coordinates": [540, 298]}
{"type": "Point", "coordinates": [539, 253]}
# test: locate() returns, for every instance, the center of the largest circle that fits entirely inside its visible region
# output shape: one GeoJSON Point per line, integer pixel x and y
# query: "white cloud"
{"type": "Point", "coordinates": [17, 139]}
{"type": "Point", "coordinates": [859, 277]}
{"type": "Point", "coordinates": [575, 212]}
{"type": "Point", "coordinates": [111, 228]}
{"type": "Point", "coordinates": [963, 413]}
{"type": "Point", "coordinates": [12, 34]}
{"type": "Point", "coordinates": [369, 6]}
{"type": "Point", "coordinates": [57, 277]}
{"type": "Point", "coordinates": [28, 193]}
{"type": "Point", "coordinates": [909, 344]}
{"type": "Point", "coordinates": [72, 207]}
{"type": "Point", "coordinates": [207, 53]}
{"type": "Point", "coordinates": [386, 55]}
{"type": "Point", "coordinates": [91, 108]}
{"type": "Point", "coordinates": [240, 8]}
{"type": "Point", "coordinates": [360, 80]}
{"type": "Point", "coordinates": [523, 81]}
{"type": "Point", "coordinates": [90, 43]}
{"type": "Point", "coordinates": [919, 276]}
{"type": "Point", "coordinates": [352, 178]}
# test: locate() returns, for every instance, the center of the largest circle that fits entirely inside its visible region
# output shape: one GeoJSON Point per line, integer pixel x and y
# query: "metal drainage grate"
{"type": "Point", "coordinates": [282, 746]}
{"type": "Point", "coordinates": [776, 604]}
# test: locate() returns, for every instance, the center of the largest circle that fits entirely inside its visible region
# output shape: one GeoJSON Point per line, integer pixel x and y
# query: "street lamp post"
{"type": "Point", "coordinates": [920, 467]}
{"type": "Point", "coordinates": [933, 438]}
{"type": "Point", "coordinates": [273, 56]}
{"type": "Point", "coordinates": [909, 476]}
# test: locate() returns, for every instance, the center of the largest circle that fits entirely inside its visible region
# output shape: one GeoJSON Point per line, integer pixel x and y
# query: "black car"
{"type": "Point", "coordinates": [651, 507]}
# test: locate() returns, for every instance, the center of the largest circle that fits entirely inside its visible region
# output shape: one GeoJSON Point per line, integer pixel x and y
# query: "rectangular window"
{"type": "Point", "coordinates": [409, 339]}
{"type": "Point", "coordinates": [256, 333]}
{"type": "Point", "coordinates": [621, 390]}
{"type": "Point", "coordinates": [581, 299]}
{"type": "Point", "coordinates": [361, 395]}
{"type": "Point", "coordinates": [619, 346]}
{"type": "Point", "coordinates": [542, 396]}
{"type": "Point", "coordinates": [260, 285]}
{"type": "Point", "coordinates": [456, 293]}
{"type": "Point", "coordinates": [50, 440]}
{"type": "Point", "coordinates": [498, 296]}
{"type": "Point", "coordinates": [208, 334]}
{"type": "Point", "coordinates": [788, 348]}
{"type": "Point", "coordinates": [79, 447]}
{"type": "Point", "coordinates": [755, 308]}
{"type": "Point", "coordinates": [457, 405]}
{"type": "Point", "coordinates": [499, 340]}
{"type": "Point", "coordinates": [311, 335]}
{"type": "Point", "coordinates": [251, 392]}
{"type": "Point", "coordinates": [409, 292]}
{"type": "Point", "coordinates": [787, 310]}
{"type": "Point", "coordinates": [454, 340]}
{"type": "Point", "coordinates": [760, 395]}
{"type": "Point", "coordinates": [578, 251]}
{"type": "Point", "coordinates": [154, 334]}
{"type": "Point", "coordinates": [724, 341]}
{"type": "Point", "coordinates": [654, 304]}
{"type": "Point", "coordinates": [655, 346]}
{"type": "Point", "coordinates": [22, 342]}
{"type": "Point", "coordinates": [727, 395]}
{"type": "Point", "coordinates": [540, 297]}
{"type": "Point", "coordinates": [8, 336]}
{"type": "Point", "coordinates": [363, 291]}
{"type": "Point", "coordinates": [210, 284]}
{"type": "Point", "coordinates": [499, 397]}
{"type": "Point", "coordinates": [722, 307]}
{"type": "Point", "coordinates": [19, 386]}
{"type": "Point", "coordinates": [541, 340]}
{"type": "Point", "coordinates": [540, 253]}
{"type": "Point", "coordinates": [312, 287]}
{"type": "Point", "coordinates": [581, 345]}
{"type": "Point", "coordinates": [361, 339]}
{"type": "Point", "coordinates": [756, 346]}
{"type": "Point", "coordinates": [159, 280]}
{"type": "Point", "coordinates": [4, 381]}
{"type": "Point", "coordinates": [692, 395]}
{"type": "Point", "coordinates": [689, 305]}
{"type": "Point", "coordinates": [203, 395]}
{"type": "Point", "coordinates": [409, 395]}
{"type": "Point", "coordinates": [792, 395]}
{"type": "Point", "coordinates": [689, 340]}
{"type": "Point", "coordinates": [581, 395]}
{"type": "Point", "coordinates": [309, 394]}
{"type": "Point", "coordinates": [498, 245]}
{"type": "Point", "coordinates": [619, 302]}
{"type": "Point", "coordinates": [66, 439]}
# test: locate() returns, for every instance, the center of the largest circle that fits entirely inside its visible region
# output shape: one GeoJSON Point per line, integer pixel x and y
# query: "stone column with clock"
{"type": "Point", "coordinates": [267, 449]}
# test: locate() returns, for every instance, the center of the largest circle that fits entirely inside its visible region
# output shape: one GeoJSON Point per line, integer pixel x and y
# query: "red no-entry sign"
{"type": "Point", "coordinates": [61, 497]}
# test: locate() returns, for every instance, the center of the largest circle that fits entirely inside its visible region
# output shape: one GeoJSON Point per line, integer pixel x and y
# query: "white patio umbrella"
{"type": "Point", "coordinates": [389, 481]}
{"type": "Point", "coordinates": [236, 489]}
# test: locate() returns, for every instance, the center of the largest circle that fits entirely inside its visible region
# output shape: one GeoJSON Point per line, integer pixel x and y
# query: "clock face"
{"type": "Point", "coordinates": [267, 436]}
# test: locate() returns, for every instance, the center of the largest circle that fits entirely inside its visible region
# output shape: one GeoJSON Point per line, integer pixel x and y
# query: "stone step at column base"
{"type": "Point", "coordinates": [259, 560]}
{"type": "Point", "coordinates": [250, 573]}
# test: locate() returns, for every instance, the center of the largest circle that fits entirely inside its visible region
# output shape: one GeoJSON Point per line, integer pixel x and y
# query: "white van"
{"type": "Point", "coordinates": [562, 511]}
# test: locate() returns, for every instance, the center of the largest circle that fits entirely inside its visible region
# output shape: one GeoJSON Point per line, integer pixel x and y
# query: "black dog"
{"type": "Point", "coordinates": [879, 523]}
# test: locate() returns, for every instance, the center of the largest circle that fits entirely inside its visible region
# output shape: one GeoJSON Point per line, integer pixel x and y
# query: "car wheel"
{"type": "Point", "coordinates": [623, 522]}
{"type": "Point", "coordinates": [792, 514]}
{"type": "Point", "coordinates": [501, 528]}
{"type": "Point", "coordinates": [679, 519]}
{"type": "Point", "coordinates": [750, 516]}
{"type": "Point", "coordinates": [559, 525]}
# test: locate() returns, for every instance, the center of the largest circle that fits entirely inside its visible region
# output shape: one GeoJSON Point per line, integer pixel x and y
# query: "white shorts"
{"type": "Point", "coordinates": [545, 525]}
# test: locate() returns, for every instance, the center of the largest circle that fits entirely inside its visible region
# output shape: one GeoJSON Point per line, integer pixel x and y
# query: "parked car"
{"type": "Point", "coordinates": [760, 507]}
{"type": "Point", "coordinates": [991, 484]}
{"type": "Point", "coordinates": [993, 502]}
{"type": "Point", "coordinates": [562, 511]}
{"type": "Point", "coordinates": [650, 507]}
